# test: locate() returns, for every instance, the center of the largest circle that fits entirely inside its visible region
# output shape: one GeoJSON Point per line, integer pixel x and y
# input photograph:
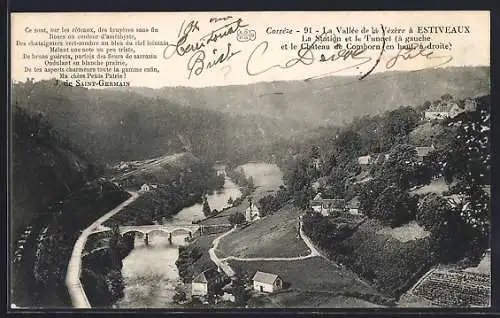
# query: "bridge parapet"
{"type": "Point", "coordinates": [146, 229]}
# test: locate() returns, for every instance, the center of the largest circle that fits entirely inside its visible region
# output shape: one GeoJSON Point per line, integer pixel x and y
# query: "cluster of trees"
{"type": "Point", "coordinates": [55, 243]}
{"type": "Point", "coordinates": [245, 183]}
{"type": "Point", "coordinates": [236, 218]}
{"type": "Point", "coordinates": [187, 256]}
{"type": "Point", "coordinates": [240, 290]}
{"type": "Point", "coordinates": [326, 232]}
{"type": "Point", "coordinates": [386, 196]}
{"type": "Point", "coordinates": [273, 202]}
{"type": "Point", "coordinates": [101, 274]}
{"type": "Point", "coordinates": [188, 188]}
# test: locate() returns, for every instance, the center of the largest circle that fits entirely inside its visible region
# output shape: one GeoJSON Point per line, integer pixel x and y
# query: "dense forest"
{"type": "Point", "coordinates": [136, 127]}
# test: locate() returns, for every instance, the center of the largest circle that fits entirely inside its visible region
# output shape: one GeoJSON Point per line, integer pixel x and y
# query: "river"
{"type": "Point", "coordinates": [150, 273]}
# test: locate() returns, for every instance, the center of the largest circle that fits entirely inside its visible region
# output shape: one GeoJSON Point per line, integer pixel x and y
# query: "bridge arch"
{"type": "Point", "coordinates": [126, 231]}
{"type": "Point", "coordinates": [159, 230]}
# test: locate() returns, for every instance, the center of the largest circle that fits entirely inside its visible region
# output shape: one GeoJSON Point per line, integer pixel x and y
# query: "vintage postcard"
{"type": "Point", "coordinates": [193, 160]}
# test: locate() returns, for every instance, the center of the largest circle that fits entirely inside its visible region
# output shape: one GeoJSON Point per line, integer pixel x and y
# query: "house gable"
{"type": "Point", "coordinates": [265, 278]}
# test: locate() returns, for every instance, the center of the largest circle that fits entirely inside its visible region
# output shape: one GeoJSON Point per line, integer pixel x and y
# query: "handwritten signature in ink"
{"type": "Point", "coordinates": [197, 62]}
{"type": "Point", "coordinates": [354, 58]}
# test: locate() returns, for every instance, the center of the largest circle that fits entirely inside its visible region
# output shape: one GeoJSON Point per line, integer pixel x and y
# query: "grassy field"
{"type": "Point", "coordinates": [436, 186]}
{"type": "Point", "coordinates": [272, 236]}
{"type": "Point", "coordinates": [312, 281]}
{"type": "Point", "coordinates": [405, 233]}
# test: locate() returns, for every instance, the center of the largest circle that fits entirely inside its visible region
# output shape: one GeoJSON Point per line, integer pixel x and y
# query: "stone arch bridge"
{"type": "Point", "coordinates": [174, 229]}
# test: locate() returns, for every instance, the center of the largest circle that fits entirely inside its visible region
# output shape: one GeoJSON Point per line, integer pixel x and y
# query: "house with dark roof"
{"type": "Point", "coordinates": [208, 282]}
{"type": "Point", "coordinates": [327, 207]}
{"type": "Point", "coordinates": [267, 282]}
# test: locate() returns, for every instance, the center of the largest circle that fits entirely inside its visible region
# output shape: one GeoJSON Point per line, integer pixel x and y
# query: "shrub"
{"type": "Point", "coordinates": [432, 211]}
{"type": "Point", "coordinates": [236, 218]}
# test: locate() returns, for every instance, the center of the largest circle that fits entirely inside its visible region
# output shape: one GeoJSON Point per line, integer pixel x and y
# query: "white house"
{"type": "Point", "coordinates": [266, 282]}
{"type": "Point", "coordinates": [364, 160]}
{"type": "Point", "coordinates": [354, 206]}
{"type": "Point", "coordinates": [252, 213]}
{"type": "Point", "coordinates": [145, 188]}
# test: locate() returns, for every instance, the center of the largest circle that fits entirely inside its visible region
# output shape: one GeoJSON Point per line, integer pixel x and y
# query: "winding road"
{"type": "Point", "coordinates": [78, 297]}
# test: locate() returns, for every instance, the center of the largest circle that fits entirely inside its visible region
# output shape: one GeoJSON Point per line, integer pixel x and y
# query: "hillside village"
{"type": "Point", "coordinates": [412, 221]}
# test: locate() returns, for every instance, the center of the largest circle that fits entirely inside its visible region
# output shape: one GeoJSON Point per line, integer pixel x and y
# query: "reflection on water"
{"type": "Point", "coordinates": [149, 272]}
{"type": "Point", "coordinates": [216, 200]}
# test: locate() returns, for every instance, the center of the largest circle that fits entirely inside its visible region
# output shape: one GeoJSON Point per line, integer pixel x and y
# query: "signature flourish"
{"type": "Point", "coordinates": [200, 60]}
{"type": "Point", "coordinates": [183, 46]}
{"type": "Point", "coordinates": [354, 58]}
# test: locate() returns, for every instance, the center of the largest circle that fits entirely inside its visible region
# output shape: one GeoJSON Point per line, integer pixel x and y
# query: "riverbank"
{"type": "Point", "coordinates": [153, 273]}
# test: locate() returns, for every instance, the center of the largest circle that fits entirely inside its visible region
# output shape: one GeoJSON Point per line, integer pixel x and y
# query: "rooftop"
{"type": "Point", "coordinates": [265, 278]}
{"type": "Point", "coordinates": [207, 275]}
{"type": "Point", "coordinates": [423, 151]}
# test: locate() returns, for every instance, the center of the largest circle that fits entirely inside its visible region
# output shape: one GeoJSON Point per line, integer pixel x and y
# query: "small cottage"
{"type": "Point", "coordinates": [208, 282]}
{"type": "Point", "coordinates": [353, 207]}
{"type": "Point", "coordinates": [145, 188]}
{"type": "Point", "coordinates": [327, 207]}
{"type": "Point", "coordinates": [266, 282]}
{"type": "Point", "coordinates": [364, 161]}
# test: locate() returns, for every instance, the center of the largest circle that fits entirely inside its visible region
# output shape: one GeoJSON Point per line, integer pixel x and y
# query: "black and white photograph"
{"type": "Point", "coordinates": [257, 160]}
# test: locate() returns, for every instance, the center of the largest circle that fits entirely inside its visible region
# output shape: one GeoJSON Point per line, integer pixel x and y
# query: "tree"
{"type": "Point", "coordinates": [114, 281]}
{"type": "Point", "coordinates": [250, 183]}
{"type": "Point", "coordinates": [239, 290]}
{"type": "Point", "coordinates": [394, 206]}
{"type": "Point", "coordinates": [206, 208]}
{"type": "Point", "coordinates": [179, 295]}
{"type": "Point", "coordinates": [432, 210]}
{"type": "Point", "coordinates": [398, 124]}
{"type": "Point", "coordinates": [315, 153]}
{"type": "Point", "coordinates": [402, 166]}
{"type": "Point", "coordinates": [369, 192]}
{"type": "Point", "coordinates": [348, 146]}
{"type": "Point", "coordinates": [230, 201]}
{"type": "Point", "coordinates": [269, 204]}
{"type": "Point", "coordinates": [116, 246]}
{"type": "Point", "coordinates": [236, 218]}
